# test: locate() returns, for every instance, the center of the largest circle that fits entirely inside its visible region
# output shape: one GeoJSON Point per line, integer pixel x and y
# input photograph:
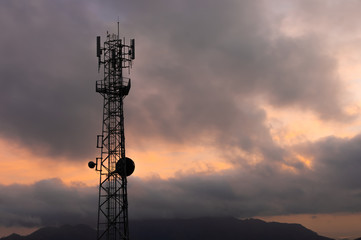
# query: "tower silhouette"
{"type": "Point", "coordinates": [113, 165]}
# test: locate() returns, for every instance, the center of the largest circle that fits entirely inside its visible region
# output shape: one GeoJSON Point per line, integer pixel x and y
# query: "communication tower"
{"type": "Point", "coordinates": [113, 165]}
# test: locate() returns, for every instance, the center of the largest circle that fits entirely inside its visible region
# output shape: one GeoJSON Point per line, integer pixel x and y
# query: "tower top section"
{"type": "Point", "coordinates": [117, 50]}
{"type": "Point", "coordinates": [114, 55]}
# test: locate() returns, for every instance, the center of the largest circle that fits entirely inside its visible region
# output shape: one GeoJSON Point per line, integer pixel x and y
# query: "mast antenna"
{"type": "Point", "coordinates": [113, 165]}
{"type": "Point", "coordinates": [118, 27]}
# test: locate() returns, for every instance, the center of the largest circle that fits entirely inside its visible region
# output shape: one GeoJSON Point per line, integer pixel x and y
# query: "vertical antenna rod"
{"type": "Point", "coordinates": [113, 165]}
{"type": "Point", "coordinates": [118, 27]}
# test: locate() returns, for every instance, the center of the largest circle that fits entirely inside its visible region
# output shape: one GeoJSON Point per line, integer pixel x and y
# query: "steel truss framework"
{"type": "Point", "coordinates": [113, 204]}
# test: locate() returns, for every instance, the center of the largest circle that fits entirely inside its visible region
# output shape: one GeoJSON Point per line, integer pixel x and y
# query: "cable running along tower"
{"type": "Point", "coordinates": [113, 165]}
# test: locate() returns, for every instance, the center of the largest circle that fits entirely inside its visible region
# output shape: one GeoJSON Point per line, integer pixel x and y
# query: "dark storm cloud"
{"type": "Point", "coordinates": [47, 76]}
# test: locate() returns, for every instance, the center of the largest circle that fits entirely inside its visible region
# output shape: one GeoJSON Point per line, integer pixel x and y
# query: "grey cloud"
{"type": "Point", "coordinates": [338, 161]}
{"type": "Point", "coordinates": [328, 15]}
{"type": "Point", "coordinates": [47, 202]}
{"type": "Point", "coordinates": [233, 45]}
{"type": "Point", "coordinates": [47, 92]}
{"type": "Point", "coordinates": [209, 64]}
{"type": "Point", "coordinates": [258, 191]}
{"type": "Point", "coordinates": [332, 185]}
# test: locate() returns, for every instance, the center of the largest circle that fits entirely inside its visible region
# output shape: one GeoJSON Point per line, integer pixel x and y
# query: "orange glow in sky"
{"type": "Point", "coordinates": [19, 165]}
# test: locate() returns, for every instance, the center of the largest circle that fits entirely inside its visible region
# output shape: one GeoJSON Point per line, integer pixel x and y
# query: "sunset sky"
{"type": "Point", "coordinates": [244, 108]}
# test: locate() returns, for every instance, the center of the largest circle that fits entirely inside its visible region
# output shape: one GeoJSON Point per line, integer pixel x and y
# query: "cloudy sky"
{"type": "Point", "coordinates": [244, 108]}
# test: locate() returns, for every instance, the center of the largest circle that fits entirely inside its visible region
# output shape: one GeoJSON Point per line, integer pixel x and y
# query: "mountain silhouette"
{"type": "Point", "coordinates": [220, 229]}
{"type": "Point", "coordinates": [66, 232]}
{"type": "Point", "coordinates": [185, 229]}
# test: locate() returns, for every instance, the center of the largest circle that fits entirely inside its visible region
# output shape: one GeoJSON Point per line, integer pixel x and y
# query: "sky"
{"type": "Point", "coordinates": [244, 108]}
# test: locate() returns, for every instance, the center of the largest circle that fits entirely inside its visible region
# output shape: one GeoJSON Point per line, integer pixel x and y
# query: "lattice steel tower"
{"type": "Point", "coordinates": [114, 167]}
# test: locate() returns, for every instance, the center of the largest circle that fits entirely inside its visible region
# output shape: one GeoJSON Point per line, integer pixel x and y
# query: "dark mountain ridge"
{"type": "Point", "coordinates": [185, 229]}
{"type": "Point", "coordinates": [65, 232]}
{"type": "Point", "coordinates": [220, 228]}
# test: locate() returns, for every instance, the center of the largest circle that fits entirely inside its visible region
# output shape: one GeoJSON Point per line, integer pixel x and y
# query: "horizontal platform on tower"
{"type": "Point", "coordinates": [119, 87]}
